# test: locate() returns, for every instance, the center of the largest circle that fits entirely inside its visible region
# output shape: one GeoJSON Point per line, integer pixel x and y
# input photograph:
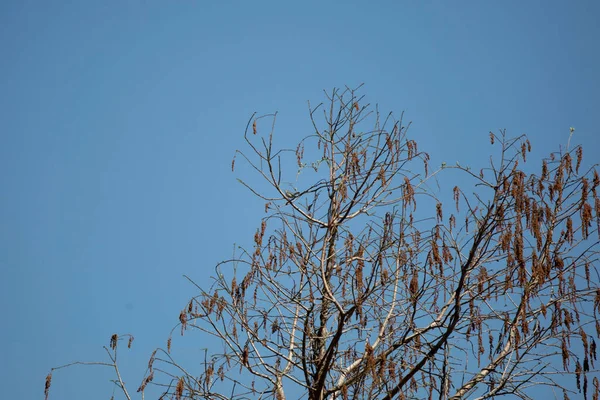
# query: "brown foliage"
{"type": "Point", "coordinates": [350, 291]}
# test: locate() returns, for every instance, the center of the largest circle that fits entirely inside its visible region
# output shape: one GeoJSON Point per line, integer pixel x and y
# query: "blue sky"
{"type": "Point", "coordinates": [119, 121]}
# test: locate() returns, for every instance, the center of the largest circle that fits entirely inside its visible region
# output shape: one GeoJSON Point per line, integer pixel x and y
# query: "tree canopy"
{"type": "Point", "coordinates": [375, 274]}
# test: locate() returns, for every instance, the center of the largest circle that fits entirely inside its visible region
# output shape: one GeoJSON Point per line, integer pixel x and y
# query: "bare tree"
{"type": "Point", "coordinates": [371, 278]}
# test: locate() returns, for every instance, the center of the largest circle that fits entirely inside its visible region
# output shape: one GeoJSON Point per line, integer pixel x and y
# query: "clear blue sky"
{"type": "Point", "coordinates": [119, 119]}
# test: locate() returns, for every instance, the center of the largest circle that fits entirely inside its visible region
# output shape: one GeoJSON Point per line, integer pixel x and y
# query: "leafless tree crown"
{"type": "Point", "coordinates": [371, 278]}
